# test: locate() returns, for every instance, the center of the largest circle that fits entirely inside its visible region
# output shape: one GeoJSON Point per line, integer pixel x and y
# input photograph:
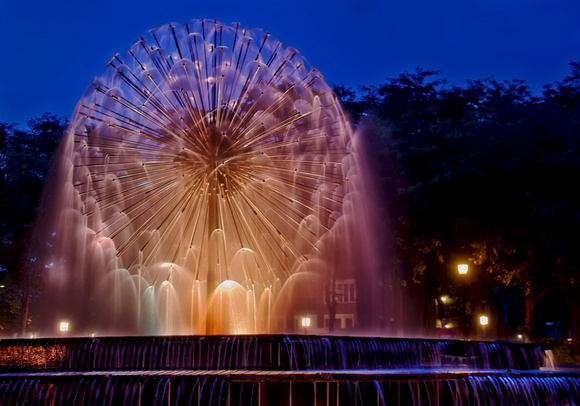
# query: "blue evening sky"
{"type": "Point", "coordinates": [51, 49]}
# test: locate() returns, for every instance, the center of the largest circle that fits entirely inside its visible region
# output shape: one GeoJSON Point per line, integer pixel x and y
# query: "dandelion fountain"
{"type": "Point", "coordinates": [210, 195]}
{"type": "Point", "coordinates": [209, 182]}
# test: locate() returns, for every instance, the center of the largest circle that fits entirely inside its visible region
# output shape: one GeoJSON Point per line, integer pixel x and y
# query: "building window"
{"type": "Point", "coordinates": [345, 291]}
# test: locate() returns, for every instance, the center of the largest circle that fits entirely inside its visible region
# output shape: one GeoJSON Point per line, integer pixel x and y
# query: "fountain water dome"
{"type": "Point", "coordinates": [210, 183]}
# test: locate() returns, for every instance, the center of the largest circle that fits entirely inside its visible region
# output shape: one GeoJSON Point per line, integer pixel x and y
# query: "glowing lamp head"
{"type": "Point", "coordinates": [462, 269]}
{"type": "Point", "coordinates": [483, 320]}
{"type": "Point", "coordinates": [305, 321]}
{"type": "Point", "coordinates": [443, 299]}
{"type": "Point", "coordinates": [63, 326]}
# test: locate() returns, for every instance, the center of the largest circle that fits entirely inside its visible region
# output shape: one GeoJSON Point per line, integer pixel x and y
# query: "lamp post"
{"type": "Point", "coordinates": [462, 269]}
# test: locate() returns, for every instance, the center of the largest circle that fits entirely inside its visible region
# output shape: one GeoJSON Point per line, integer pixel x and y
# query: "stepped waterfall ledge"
{"type": "Point", "coordinates": [279, 370]}
{"type": "Point", "coordinates": [210, 183]}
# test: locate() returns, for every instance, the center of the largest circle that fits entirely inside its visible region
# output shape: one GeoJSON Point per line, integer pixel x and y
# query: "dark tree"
{"type": "Point", "coordinates": [24, 163]}
{"type": "Point", "coordinates": [481, 174]}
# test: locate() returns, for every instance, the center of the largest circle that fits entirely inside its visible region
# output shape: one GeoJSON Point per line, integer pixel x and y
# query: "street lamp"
{"type": "Point", "coordinates": [462, 269]}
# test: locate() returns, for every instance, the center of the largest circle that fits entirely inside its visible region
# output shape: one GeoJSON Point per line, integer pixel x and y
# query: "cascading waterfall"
{"type": "Point", "coordinates": [280, 370]}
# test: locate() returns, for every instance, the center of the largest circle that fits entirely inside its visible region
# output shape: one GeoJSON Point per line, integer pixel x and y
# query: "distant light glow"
{"type": "Point", "coordinates": [305, 321]}
{"type": "Point", "coordinates": [63, 326]}
{"type": "Point", "coordinates": [443, 299]}
{"type": "Point", "coordinates": [520, 336]}
{"type": "Point", "coordinates": [483, 320]}
{"type": "Point", "coordinates": [227, 285]}
{"type": "Point", "coordinates": [462, 269]}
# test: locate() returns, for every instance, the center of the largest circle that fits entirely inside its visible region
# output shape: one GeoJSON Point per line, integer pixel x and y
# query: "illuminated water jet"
{"type": "Point", "coordinates": [210, 183]}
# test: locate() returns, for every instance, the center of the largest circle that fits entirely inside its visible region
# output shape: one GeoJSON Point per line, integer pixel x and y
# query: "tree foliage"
{"type": "Point", "coordinates": [25, 157]}
{"type": "Point", "coordinates": [485, 173]}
